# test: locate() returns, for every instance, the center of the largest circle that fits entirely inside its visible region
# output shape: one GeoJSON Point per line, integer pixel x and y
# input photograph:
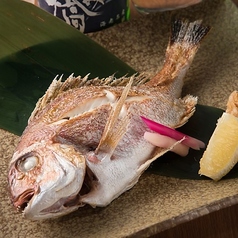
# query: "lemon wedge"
{"type": "Point", "coordinates": [221, 154]}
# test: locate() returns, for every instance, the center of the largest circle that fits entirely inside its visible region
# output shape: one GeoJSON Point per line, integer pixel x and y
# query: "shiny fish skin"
{"type": "Point", "coordinates": [84, 141]}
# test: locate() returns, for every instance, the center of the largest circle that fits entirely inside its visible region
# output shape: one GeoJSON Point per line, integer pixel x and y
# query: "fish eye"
{"type": "Point", "coordinates": [27, 164]}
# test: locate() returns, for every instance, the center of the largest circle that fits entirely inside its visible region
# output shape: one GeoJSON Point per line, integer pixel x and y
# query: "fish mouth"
{"type": "Point", "coordinates": [22, 201]}
{"type": "Point", "coordinates": [63, 206]}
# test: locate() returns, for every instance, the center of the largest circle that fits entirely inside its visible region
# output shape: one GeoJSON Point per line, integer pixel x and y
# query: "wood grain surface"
{"type": "Point", "coordinates": [219, 224]}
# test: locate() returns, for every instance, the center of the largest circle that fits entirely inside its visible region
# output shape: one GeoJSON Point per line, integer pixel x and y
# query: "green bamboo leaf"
{"type": "Point", "coordinates": [35, 47]}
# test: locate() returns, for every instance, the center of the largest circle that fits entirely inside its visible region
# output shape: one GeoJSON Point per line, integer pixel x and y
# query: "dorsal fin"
{"type": "Point", "coordinates": [57, 87]}
{"type": "Point", "coordinates": [113, 81]}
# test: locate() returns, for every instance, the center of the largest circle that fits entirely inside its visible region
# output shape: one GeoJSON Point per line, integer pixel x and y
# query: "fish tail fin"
{"type": "Point", "coordinates": [184, 42]}
{"type": "Point", "coordinates": [188, 33]}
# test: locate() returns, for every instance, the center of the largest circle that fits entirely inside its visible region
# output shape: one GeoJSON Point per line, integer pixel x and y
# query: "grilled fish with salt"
{"type": "Point", "coordinates": [84, 143]}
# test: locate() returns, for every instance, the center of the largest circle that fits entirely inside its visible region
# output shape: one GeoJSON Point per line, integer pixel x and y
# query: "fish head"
{"type": "Point", "coordinates": [45, 180]}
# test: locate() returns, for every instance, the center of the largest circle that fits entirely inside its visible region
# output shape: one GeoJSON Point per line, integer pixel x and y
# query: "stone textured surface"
{"type": "Point", "coordinates": [156, 202]}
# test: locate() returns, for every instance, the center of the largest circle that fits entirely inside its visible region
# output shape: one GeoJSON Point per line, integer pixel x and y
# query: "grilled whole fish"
{"type": "Point", "coordinates": [84, 141]}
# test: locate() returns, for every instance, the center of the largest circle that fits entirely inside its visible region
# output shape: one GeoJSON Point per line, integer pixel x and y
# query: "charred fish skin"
{"type": "Point", "coordinates": [84, 143]}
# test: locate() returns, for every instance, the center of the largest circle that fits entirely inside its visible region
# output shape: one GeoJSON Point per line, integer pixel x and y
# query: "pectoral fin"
{"type": "Point", "coordinates": [116, 125]}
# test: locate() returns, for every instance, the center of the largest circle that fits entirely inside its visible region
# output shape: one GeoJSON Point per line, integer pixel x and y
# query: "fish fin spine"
{"type": "Point", "coordinates": [113, 131]}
